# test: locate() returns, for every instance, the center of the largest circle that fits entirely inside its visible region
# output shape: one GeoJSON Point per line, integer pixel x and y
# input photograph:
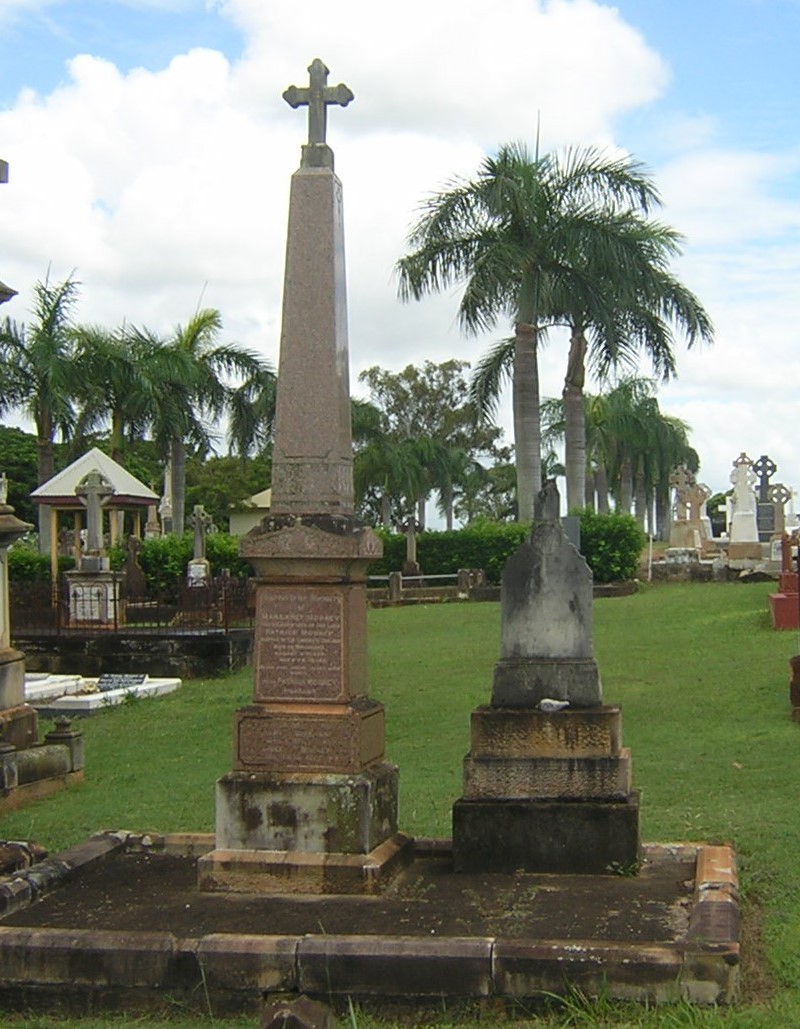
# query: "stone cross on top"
{"type": "Point", "coordinates": [93, 489]}
{"type": "Point", "coordinates": [317, 96]}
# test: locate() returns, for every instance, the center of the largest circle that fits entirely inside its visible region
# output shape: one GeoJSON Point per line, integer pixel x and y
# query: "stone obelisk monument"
{"type": "Point", "coordinates": [547, 782]}
{"type": "Point", "coordinates": [311, 804]}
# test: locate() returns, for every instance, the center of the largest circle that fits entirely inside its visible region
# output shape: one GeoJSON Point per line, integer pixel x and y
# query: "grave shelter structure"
{"type": "Point", "coordinates": [311, 803]}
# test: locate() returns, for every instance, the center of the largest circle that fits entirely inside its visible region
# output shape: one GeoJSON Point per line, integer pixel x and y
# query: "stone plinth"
{"type": "Point", "coordinates": [745, 551]}
{"type": "Point", "coordinates": [586, 838]}
{"type": "Point", "coordinates": [95, 597]}
{"type": "Point", "coordinates": [316, 813]}
{"type": "Point", "coordinates": [592, 732]}
{"type": "Point", "coordinates": [310, 805]}
{"type": "Point", "coordinates": [524, 682]}
{"type": "Point", "coordinates": [546, 778]}
{"type": "Point", "coordinates": [784, 609]}
{"type": "Point", "coordinates": [309, 737]}
{"type": "Point", "coordinates": [12, 678]}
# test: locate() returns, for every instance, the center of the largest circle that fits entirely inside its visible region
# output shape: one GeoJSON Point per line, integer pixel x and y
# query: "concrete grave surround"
{"type": "Point", "coordinates": [544, 790]}
{"type": "Point", "coordinates": [309, 786]}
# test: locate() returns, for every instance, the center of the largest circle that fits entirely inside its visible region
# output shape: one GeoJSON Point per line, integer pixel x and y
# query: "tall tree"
{"type": "Point", "coordinates": [39, 376]}
{"type": "Point", "coordinates": [196, 376]}
{"type": "Point", "coordinates": [429, 404]}
{"type": "Point", "coordinates": [536, 240]}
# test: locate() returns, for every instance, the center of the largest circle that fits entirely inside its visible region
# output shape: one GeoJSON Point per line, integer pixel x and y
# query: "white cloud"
{"type": "Point", "coordinates": [164, 187]}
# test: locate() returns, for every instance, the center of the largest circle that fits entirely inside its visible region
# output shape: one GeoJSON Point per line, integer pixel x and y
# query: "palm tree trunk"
{"type": "Point", "coordinates": [45, 469]}
{"type": "Point", "coordinates": [574, 421]}
{"type": "Point", "coordinates": [590, 490]}
{"type": "Point", "coordinates": [625, 486]}
{"type": "Point", "coordinates": [178, 470]}
{"type": "Point", "coordinates": [527, 429]}
{"type": "Point", "coordinates": [602, 489]}
{"type": "Point", "coordinates": [640, 495]}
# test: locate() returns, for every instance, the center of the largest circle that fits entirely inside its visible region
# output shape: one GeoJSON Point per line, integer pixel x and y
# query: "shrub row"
{"type": "Point", "coordinates": [611, 544]}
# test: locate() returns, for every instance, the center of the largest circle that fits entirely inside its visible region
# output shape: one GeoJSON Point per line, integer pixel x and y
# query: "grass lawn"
{"type": "Point", "coordinates": [703, 680]}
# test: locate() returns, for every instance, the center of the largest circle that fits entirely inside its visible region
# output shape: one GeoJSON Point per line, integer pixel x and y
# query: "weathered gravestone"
{"type": "Point", "coordinates": [691, 527]}
{"type": "Point", "coordinates": [547, 783]}
{"type": "Point", "coordinates": [311, 804]}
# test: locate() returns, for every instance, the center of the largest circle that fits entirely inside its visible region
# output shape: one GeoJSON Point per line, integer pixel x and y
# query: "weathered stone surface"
{"type": "Point", "coordinates": [12, 678]}
{"type": "Point", "coordinates": [547, 778]}
{"type": "Point", "coordinates": [546, 598]}
{"type": "Point", "coordinates": [590, 837]}
{"type": "Point", "coordinates": [414, 967]}
{"type": "Point", "coordinates": [523, 682]}
{"type": "Point", "coordinates": [245, 962]}
{"type": "Point", "coordinates": [310, 643]}
{"type": "Point", "coordinates": [280, 540]}
{"type": "Point", "coordinates": [303, 872]}
{"type": "Point", "coordinates": [648, 973]}
{"type": "Point", "coordinates": [19, 726]}
{"type": "Point", "coordinates": [313, 812]}
{"type": "Point", "coordinates": [297, 1013]}
{"type": "Point", "coordinates": [572, 732]}
{"type": "Point", "coordinates": [309, 737]}
{"type": "Point", "coordinates": [312, 465]}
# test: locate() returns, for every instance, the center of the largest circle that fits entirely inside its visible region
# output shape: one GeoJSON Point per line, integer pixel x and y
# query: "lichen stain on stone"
{"type": "Point", "coordinates": [281, 813]}
{"type": "Point", "coordinates": [252, 817]}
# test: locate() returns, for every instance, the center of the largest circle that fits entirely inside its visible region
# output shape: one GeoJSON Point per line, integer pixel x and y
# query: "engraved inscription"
{"type": "Point", "coordinates": [300, 648]}
{"type": "Point", "coordinates": [327, 744]}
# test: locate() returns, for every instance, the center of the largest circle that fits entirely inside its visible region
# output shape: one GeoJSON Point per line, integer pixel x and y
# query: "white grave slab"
{"type": "Point", "coordinates": [73, 694]}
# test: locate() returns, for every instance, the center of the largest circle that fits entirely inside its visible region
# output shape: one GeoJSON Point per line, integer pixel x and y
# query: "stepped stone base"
{"type": "Point", "coordinates": [567, 837]}
{"type": "Point", "coordinates": [263, 871]}
{"type": "Point", "coordinates": [571, 732]}
{"type": "Point", "coordinates": [315, 813]}
{"type": "Point", "coordinates": [548, 778]}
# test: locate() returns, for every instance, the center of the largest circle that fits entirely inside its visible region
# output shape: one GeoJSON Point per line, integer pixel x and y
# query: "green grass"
{"type": "Point", "coordinates": [703, 680]}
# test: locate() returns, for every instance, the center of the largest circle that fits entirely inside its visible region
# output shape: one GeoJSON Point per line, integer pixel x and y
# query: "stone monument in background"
{"type": "Point", "coordinates": [95, 594]}
{"type": "Point", "coordinates": [311, 804]}
{"type": "Point", "coordinates": [743, 531]}
{"type": "Point", "coordinates": [691, 526]}
{"type": "Point", "coordinates": [547, 783]}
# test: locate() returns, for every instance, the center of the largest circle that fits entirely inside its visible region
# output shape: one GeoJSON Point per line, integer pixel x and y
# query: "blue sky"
{"type": "Point", "coordinates": [150, 152]}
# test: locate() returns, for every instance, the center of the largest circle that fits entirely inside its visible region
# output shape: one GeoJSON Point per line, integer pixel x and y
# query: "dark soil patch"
{"type": "Point", "coordinates": [155, 892]}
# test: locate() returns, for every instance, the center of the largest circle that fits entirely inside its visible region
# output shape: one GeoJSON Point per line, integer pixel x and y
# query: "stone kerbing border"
{"type": "Point", "coordinates": [237, 970]}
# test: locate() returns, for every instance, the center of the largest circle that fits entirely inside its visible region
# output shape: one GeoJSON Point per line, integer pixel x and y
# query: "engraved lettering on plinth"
{"type": "Point", "coordinates": [300, 645]}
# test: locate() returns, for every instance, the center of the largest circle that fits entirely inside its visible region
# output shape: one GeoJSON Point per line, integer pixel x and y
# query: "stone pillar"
{"type": "Point", "coordinates": [547, 783]}
{"type": "Point", "coordinates": [310, 804]}
{"type": "Point", "coordinates": [18, 721]}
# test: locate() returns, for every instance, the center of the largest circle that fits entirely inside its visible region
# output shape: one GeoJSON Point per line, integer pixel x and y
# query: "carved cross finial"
{"type": "Point", "coordinates": [317, 96]}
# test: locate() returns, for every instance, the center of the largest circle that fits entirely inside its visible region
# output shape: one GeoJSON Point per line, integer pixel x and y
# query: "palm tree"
{"type": "Point", "coordinates": [640, 308]}
{"type": "Point", "coordinates": [38, 374]}
{"type": "Point", "coordinates": [116, 370]}
{"type": "Point", "coordinates": [533, 239]}
{"type": "Point", "coordinates": [192, 372]}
